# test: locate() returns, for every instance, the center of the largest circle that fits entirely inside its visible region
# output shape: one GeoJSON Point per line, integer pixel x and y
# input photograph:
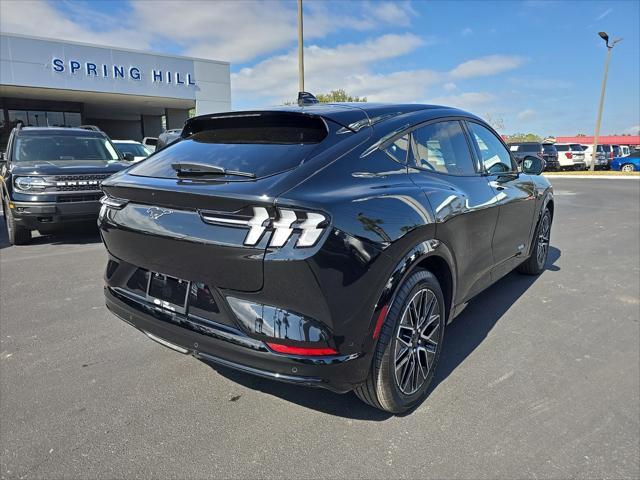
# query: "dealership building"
{"type": "Point", "coordinates": [129, 94]}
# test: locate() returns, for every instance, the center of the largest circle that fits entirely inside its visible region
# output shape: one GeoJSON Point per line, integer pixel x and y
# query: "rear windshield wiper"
{"type": "Point", "coordinates": [200, 169]}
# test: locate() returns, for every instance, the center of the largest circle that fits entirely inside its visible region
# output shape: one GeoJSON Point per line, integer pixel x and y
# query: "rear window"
{"type": "Point", "coordinates": [576, 147]}
{"type": "Point", "coordinates": [31, 148]}
{"type": "Point", "coordinates": [529, 147]}
{"type": "Point", "coordinates": [563, 148]}
{"type": "Point", "coordinates": [548, 148]}
{"type": "Point", "coordinates": [261, 144]}
{"type": "Point", "coordinates": [136, 149]}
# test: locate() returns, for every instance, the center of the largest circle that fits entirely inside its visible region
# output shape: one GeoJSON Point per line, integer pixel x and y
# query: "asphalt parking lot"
{"type": "Point", "coordinates": [540, 377]}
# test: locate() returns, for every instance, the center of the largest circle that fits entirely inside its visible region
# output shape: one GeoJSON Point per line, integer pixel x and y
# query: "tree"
{"type": "Point", "coordinates": [524, 137]}
{"type": "Point", "coordinates": [338, 96]}
{"type": "Point", "coordinates": [334, 96]}
{"type": "Point", "coordinates": [496, 122]}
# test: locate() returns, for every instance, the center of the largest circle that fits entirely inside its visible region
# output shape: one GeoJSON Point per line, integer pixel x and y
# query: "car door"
{"type": "Point", "coordinates": [441, 163]}
{"type": "Point", "coordinates": [516, 194]}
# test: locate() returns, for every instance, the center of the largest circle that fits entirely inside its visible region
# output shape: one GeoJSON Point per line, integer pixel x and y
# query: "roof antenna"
{"type": "Point", "coordinates": [306, 98]}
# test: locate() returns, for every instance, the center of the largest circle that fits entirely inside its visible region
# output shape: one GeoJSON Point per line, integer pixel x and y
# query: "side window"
{"type": "Point", "coordinates": [398, 149]}
{"type": "Point", "coordinates": [442, 147]}
{"type": "Point", "coordinates": [494, 156]}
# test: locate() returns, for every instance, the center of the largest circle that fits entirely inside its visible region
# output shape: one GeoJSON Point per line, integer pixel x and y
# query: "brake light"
{"type": "Point", "coordinates": [310, 225]}
{"type": "Point", "coordinates": [569, 155]}
{"type": "Point", "coordinates": [305, 351]}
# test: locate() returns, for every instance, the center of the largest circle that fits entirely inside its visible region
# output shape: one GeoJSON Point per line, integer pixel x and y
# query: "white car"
{"type": "Point", "coordinates": [571, 156]}
{"type": "Point", "coordinates": [132, 150]}
{"type": "Point", "coordinates": [150, 143]}
{"type": "Point", "coordinates": [601, 158]}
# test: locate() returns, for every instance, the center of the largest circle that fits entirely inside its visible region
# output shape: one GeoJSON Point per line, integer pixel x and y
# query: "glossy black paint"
{"type": "Point", "coordinates": [385, 217]}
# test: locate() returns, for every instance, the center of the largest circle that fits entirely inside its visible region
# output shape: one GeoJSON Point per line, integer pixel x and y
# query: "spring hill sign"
{"type": "Point", "coordinates": [120, 72]}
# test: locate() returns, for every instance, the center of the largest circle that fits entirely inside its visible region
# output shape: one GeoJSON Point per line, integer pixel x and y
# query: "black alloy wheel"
{"type": "Point", "coordinates": [536, 263]}
{"type": "Point", "coordinates": [409, 346]}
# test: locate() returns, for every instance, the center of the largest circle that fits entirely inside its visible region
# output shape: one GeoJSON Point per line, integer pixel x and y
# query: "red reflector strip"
{"type": "Point", "coordinates": [381, 317]}
{"type": "Point", "coordinates": [276, 347]}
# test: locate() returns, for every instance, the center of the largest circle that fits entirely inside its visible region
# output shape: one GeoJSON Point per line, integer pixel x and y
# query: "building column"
{"type": "Point", "coordinates": [176, 117]}
{"type": "Point", "coordinates": [151, 125]}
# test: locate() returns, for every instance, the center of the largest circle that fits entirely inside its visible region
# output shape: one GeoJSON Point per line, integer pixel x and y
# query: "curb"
{"type": "Point", "coordinates": [597, 177]}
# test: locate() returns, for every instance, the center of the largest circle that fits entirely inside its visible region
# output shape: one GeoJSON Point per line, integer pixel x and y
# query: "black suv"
{"type": "Point", "coordinates": [326, 245]}
{"type": "Point", "coordinates": [546, 151]}
{"type": "Point", "coordinates": [50, 177]}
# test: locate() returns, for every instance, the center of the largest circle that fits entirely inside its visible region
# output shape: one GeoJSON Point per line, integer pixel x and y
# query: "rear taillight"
{"type": "Point", "coordinates": [282, 223]}
{"type": "Point", "coordinates": [113, 202]}
{"type": "Point", "coordinates": [569, 155]}
{"type": "Point", "coordinates": [309, 225]}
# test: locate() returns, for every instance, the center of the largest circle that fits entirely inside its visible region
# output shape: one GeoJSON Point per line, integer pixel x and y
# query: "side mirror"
{"type": "Point", "coordinates": [532, 165]}
{"type": "Point", "coordinates": [128, 156]}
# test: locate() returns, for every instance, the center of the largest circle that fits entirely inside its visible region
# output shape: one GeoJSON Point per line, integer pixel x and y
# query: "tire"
{"type": "Point", "coordinates": [535, 264]}
{"type": "Point", "coordinates": [18, 235]}
{"type": "Point", "coordinates": [627, 167]}
{"type": "Point", "coordinates": [399, 339]}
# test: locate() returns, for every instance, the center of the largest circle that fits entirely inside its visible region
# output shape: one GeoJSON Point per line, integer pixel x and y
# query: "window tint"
{"type": "Point", "coordinates": [576, 147]}
{"type": "Point", "coordinates": [63, 147]}
{"type": "Point", "coordinates": [442, 147]}
{"type": "Point", "coordinates": [136, 149]}
{"type": "Point", "coordinates": [398, 149]}
{"type": "Point", "coordinates": [563, 148]}
{"type": "Point", "coordinates": [495, 157]}
{"type": "Point", "coordinates": [529, 147]}
{"type": "Point", "coordinates": [547, 148]}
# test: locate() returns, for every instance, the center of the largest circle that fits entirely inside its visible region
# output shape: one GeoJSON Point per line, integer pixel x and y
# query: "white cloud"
{"type": "Point", "coordinates": [42, 19]}
{"type": "Point", "coordinates": [352, 68]}
{"type": "Point", "coordinates": [526, 114]}
{"type": "Point", "coordinates": [236, 31]}
{"type": "Point", "coordinates": [635, 130]}
{"type": "Point", "coordinates": [604, 14]}
{"type": "Point", "coordinates": [466, 32]}
{"type": "Point", "coordinates": [344, 66]}
{"type": "Point", "coordinates": [243, 32]}
{"type": "Point", "coordinates": [467, 100]}
{"type": "Point", "coordinates": [489, 65]}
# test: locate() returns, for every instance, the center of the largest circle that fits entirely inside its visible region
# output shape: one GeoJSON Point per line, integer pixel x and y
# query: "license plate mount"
{"type": "Point", "coordinates": [168, 292]}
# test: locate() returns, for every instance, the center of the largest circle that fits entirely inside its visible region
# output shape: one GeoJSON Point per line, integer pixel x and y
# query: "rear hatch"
{"type": "Point", "coordinates": [190, 206]}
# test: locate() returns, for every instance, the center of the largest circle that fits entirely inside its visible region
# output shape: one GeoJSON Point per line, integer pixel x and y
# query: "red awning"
{"type": "Point", "coordinates": [604, 139]}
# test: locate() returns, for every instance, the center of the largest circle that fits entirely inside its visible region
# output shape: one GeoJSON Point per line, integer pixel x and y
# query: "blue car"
{"type": "Point", "coordinates": [629, 163]}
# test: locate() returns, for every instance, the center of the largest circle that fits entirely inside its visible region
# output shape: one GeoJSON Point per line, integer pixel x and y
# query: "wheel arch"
{"type": "Point", "coordinates": [432, 255]}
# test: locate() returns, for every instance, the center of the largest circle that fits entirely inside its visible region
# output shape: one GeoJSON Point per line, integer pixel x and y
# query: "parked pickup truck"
{"type": "Point", "coordinates": [50, 177]}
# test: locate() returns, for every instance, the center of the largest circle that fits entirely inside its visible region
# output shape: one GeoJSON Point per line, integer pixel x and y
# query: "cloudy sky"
{"type": "Point", "coordinates": [536, 64]}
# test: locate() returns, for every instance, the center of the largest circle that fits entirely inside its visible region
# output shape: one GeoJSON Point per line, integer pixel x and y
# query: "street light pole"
{"type": "Point", "coordinates": [594, 155]}
{"type": "Point", "coordinates": [300, 50]}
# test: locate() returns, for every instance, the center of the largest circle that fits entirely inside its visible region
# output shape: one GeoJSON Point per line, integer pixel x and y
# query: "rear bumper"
{"type": "Point", "coordinates": [43, 215]}
{"type": "Point", "coordinates": [221, 345]}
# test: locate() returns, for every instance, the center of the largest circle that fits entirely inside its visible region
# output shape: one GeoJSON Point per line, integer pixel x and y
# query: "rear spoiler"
{"type": "Point", "coordinates": [344, 115]}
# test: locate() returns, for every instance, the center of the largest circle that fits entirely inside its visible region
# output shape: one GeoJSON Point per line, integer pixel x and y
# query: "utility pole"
{"type": "Point", "coordinates": [594, 155]}
{"type": "Point", "coordinates": [300, 50]}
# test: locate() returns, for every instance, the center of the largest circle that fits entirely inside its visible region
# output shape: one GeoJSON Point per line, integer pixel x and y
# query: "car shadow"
{"type": "Point", "coordinates": [75, 235]}
{"type": "Point", "coordinates": [463, 336]}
